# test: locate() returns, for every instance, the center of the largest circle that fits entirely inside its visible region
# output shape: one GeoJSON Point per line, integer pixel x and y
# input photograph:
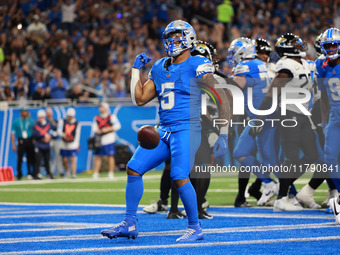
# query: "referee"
{"type": "Point", "coordinates": [22, 130]}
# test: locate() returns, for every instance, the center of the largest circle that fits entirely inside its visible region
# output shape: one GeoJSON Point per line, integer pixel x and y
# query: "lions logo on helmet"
{"type": "Point", "coordinates": [239, 50]}
{"type": "Point", "coordinates": [291, 45]}
{"type": "Point", "coordinates": [330, 41]}
{"type": "Point", "coordinates": [175, 44]}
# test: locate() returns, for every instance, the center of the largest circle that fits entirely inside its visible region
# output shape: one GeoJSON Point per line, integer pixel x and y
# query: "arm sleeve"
{"type": "Point", "coordinates": [60, 128]}
{"type": "Point", "coordinates": [204, 66]}
{"type": "Point", "coordinates": [94, 125]}
{"type": "Point", "coordinates": [116, 123]}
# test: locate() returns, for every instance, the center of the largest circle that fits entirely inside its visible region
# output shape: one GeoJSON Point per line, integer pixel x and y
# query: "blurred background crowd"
{"type": "Point", "coordinates": [84, 49]}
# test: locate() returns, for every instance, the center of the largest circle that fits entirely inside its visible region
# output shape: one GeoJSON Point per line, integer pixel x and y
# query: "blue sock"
{"type": "Point", "coordinates": [252, 161]}
{"type": "Point", "coordinates": [133, 194]}
{"type": "Point", "coordinates": [188, 196]}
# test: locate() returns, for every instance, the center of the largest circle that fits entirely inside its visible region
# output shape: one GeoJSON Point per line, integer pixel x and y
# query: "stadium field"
{"type": "Point", "coordinates": [66, 217]}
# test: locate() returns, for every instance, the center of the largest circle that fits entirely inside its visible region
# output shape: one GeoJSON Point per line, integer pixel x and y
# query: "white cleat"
{"type": "Point", "coordinates": [111, 176]}
{"type": "Point", "coordinates": [155, 207]}
{"type": "Point", "coordinates": [331, 194]}
{"type": "Point", "coordinates": [305, 196]}
{"type": "Point", "coordinates": [284, 204]}
{"type": "Point", "coordinates": [334, 204]}
{"type": "Point", "coordinates": [269, 190]}
{"type": "Point", "coordinates": [95, 176]}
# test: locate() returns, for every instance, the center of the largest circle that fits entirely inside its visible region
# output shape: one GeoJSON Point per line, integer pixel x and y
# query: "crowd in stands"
{"type": "Point", "coordinates": [84, 49]}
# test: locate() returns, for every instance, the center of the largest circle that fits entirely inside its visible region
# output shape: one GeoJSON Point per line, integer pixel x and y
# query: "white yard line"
{"type": "Point", "coordinates": [79, 180]}
{"type": "Point", "coordinates": [188, 245]}
{"type": "Point", "coordinates": [164, 233]}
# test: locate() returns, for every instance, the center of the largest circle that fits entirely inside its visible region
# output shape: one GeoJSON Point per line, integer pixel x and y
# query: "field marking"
{"type": "Point", "coordinates": [164, 233]}
{"type": "Point", "coordinates": [188, 245]}
{"type": "Point", "coordinates": [79, 180]}
{"type": "Point", "coordinates": [63, 213]}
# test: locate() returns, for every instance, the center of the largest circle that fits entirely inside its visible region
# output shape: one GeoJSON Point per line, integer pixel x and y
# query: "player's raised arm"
{"type": "Point", "coordinates": [141, 94]}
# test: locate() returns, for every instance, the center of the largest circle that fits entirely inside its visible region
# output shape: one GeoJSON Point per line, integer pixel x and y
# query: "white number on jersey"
{"type": "Point", "coordinates": [334, 86]}
{"type": "Point", "coordinates": [169, 97]}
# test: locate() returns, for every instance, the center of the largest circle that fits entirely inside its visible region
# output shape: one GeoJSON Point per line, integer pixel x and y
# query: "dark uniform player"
{"type": "Point", "coordinates": [292, 71]}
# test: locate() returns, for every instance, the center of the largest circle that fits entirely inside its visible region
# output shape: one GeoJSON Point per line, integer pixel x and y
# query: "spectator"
{"type": "Point", "coordinates": [76, 76]}
{"type": "Point", "coordinates": [56, 162]}
{"type": "Point", "coordinates": [69, 131]}
{"type": "Point", "coordinates": [22, 131]}
{"type": "Point", "coordinates": [225, 13]}
{"type": "Point", "coordinates": [42, 134]}
{"type": "Point", "coordinates": [101, 44]}
{"type": "Point", "coordinates": [8, 94]}
{"type": "Point", "coordinates": [58, 85]}
{"type": "Point", "coordinates": [106, 89]}
{"type": "Point", "coordinates": [68, 14]}
{"type": "Point", "coordinates": [62, 58]}
{"type": "Point", "coordinates": [40, 92]}
{"type": "Point", "coordinates": [30, 58]}
{"type": "Point", "coordinates": [105, 125]}
{"type": "Point", "coordinates": [37, 31]}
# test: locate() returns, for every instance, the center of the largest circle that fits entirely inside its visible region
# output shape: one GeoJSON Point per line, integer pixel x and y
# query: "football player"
{"type": "Point", "coordinates": [263, 51]}
{"type": "Point", "coordinates": [305, 195]}
{"type": "Point", "coordinates": [292, 71]}
{"type": "Point", "coordinates": [171, 81]}
{"type": "Point", "coordinates": [328, 74]}
{"type": "Point", "coordinates": [250, 72]}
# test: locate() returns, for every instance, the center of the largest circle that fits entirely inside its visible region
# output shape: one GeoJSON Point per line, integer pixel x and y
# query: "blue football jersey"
{"type": "Point", "coordinates": [329, 80]}
{"type": "Point", "coordinates": [178, 94]}
{"type": "Point", "coordinates": [256, 74]}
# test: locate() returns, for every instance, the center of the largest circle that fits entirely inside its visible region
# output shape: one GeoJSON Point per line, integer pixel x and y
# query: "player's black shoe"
{"type": "Point", "coordinates": [175, 215]}
{"type": "Point", "coordinates": [204, 215]}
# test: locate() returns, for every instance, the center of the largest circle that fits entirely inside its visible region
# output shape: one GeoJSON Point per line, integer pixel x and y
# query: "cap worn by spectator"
{"type": "Point", "coordinates": [41, 114]}
{"type": "Point", "coordinates": [71, 112]}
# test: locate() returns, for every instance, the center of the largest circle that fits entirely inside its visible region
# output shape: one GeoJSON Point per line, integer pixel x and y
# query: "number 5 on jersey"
{"type": "Point", "coordinates": [168, 98]}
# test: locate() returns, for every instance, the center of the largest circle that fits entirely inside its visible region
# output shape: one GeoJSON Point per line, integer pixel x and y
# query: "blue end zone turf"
{"type": "Point", "coordinates": [68, 229]}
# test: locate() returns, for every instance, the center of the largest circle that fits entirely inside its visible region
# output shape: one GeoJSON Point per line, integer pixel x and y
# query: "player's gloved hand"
{"type": "Point", "coordinates": [255, 131]}
{"type": "Point", "coordinates": [141, 60]}
{"type": "Point", "coordinates": [221, 146]}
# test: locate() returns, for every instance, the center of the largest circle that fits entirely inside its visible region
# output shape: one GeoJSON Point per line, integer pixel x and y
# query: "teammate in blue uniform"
{"type": "Point", "coordinates": [328, 73]}
{"type": "Point", "coordinates": [171, 80]}
{"type": "Point", "coordinates": [251, 72]}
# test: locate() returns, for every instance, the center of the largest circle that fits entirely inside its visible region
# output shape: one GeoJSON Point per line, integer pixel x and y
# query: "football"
{"type": "Point", "coordinates": [148, 137]}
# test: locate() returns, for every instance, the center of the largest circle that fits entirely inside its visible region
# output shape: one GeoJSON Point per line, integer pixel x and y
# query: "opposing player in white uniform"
{"type": "Point", "coordinates": [294, 72]}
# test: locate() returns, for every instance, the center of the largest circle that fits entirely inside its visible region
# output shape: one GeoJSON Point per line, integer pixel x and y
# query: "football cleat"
{"type": "Point", "coordinates": [204, 215]}
{"type": "Point", "coordinates": [127, 228]}
{"type": "Point", "coordinates": [335, 206]}
{"type": "Point", "coordinates": [205, 205]}
{"type": "Point", "coordinates": [285, 204]}
{"type": "Point", "coordinates": [331, 194]}
{"type": "Point", "coordinates": [269, 190]}
{"type": "Point", "coordinates": [175, 215]}
{"type": "Point", "coordinates": [305, 196]}
{"type": "Point", "coordinates": [329, 210]}
{"type": "Point", "coordinates": [193, 233]}
{"type": "Point", "coordinates": [156, 207]}
{"type": "Point", "coordinates": [241, 202]}
{"type": "Point", "coordinates": [111, 175]}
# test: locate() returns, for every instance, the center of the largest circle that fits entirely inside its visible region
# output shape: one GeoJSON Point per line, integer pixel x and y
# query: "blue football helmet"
{"type": "Point", "coordinates": [330, 41]}
{"type": "Point", "coordinates": [187, 40]}
{"type": "Point", "coordinates": [239, 50]}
